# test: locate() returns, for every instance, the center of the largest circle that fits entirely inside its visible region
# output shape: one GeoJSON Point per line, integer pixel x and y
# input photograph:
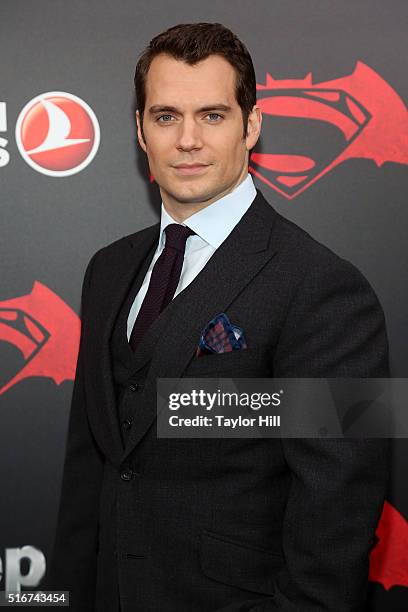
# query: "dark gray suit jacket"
{"type": "Point", "coordinates": [224, 525]}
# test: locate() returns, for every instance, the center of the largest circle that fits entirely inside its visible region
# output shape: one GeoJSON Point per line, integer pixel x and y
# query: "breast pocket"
{"type": "Point", "coordinates": [238, 564]}
{"type": "Point", "coordinates": [240, 363]}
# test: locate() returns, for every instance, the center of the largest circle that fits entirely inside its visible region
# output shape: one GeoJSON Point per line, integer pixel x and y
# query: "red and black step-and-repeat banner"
{"type": "Point", "coordinates": [333, 156]}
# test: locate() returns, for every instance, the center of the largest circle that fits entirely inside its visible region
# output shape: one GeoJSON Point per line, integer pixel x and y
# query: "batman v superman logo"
{"type": "Point", "coordinates": [310, 128]}
{"type": "Point", "coordinates": [44, 331]}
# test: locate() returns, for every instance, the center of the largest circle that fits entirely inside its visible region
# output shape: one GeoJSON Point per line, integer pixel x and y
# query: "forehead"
{"type": "Point", "coordinates": [171, 81]}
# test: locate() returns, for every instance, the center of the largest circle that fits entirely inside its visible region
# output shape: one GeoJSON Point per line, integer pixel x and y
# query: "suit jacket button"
{"type": "Point", "coordinates": [133, 387]}
{"type": "Point", "coordinates": [126, 474]}
{"type": "Point", "coordinates": [127, 424]}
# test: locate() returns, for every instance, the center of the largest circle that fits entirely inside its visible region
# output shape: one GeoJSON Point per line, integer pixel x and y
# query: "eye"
{"type": "Point", "coordinates": [165, 117]}
{"type": "Point", "coordinates": [216, 115]}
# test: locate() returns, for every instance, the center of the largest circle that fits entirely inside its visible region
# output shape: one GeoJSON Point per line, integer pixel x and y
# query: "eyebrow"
{"type": "Point", "coordinates": [157, 108]}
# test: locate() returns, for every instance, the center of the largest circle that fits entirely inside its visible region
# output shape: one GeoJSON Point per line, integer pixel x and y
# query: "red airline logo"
{"type": "Point", "coordinates": [57, 134]}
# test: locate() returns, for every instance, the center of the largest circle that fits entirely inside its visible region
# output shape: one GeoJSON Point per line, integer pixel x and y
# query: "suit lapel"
{"type": "Point", "coordinates": [175, 333]}
{"type": "Point", "coordinates": [114, 283]}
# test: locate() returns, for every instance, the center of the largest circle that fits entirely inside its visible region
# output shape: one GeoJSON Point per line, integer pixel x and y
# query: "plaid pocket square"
{"type": "Point", "coordinates": [220, 336]}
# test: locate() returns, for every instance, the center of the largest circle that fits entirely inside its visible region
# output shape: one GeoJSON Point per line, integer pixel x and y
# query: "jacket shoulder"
{"type": "Point", "coordinates": [118, 244]}
{"type": "Point", "coordinates": [301, 254]}
{"type": "Point", "coordinates": [294, 241]}
{"type": "Point", "coordinates": [115, 247]}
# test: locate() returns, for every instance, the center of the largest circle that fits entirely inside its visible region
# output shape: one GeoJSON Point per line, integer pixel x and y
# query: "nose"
{"type": "Point", "coordinates": [189, 135]}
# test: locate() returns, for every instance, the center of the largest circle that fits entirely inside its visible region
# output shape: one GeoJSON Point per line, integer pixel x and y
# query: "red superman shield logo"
{"type": "Point", "coordinates": [311, 128]}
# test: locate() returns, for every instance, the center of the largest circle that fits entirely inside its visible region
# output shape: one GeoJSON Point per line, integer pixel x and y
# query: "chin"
{"type": "Point", "coordinates": [191, 194]}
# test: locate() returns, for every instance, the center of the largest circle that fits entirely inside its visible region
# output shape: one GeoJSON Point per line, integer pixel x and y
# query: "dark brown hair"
{"type": "Point", "coordinates": [193, 42]}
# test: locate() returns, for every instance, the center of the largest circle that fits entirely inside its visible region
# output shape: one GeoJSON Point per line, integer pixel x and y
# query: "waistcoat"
{"type": "Point", "coordinates": [128, 382]}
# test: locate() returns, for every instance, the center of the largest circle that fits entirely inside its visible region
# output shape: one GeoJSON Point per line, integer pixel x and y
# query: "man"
{"type": "Point", "coordinates": [200, 525]}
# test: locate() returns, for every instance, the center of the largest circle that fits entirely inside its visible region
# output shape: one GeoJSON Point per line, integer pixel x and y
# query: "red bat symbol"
{"type": "Point", "coordinates": [45, 330]}
{"type": "Point", "coordinates": [389, 558]}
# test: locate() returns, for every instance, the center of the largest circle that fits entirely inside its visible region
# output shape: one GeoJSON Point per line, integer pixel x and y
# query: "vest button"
{"type": "Point", "coordinates": [126, 474]}
{"type": "Point", "coordinates": [127, 424]}
{"type": "Point", "coordinates": [133, 387]}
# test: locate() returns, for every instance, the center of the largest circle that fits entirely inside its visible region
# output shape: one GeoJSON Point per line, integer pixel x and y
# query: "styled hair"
{"type": "Point", "coordinates": [193, 42]}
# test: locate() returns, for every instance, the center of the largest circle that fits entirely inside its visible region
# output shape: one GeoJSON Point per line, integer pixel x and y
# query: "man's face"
{"type": "Point", "coordinates": [193, 129]}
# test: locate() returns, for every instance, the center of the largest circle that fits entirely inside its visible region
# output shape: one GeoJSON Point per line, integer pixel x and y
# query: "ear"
{"type": "Point", "coordinates": [254, 127]}
{"type": "Point", "coordinates": [139, 132]}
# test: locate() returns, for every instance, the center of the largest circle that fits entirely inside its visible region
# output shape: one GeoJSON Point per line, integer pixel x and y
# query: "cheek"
{"type": "Point", "coordinates": [227, 143]}
{"type": "Point", "coordinates": [229, 155]}
{"type": "Point", "coordinates": [157, 144]}
{"type": "Point", "coordinates": [158, 155]}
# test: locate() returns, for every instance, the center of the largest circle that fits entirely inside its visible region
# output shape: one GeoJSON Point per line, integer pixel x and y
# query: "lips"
{"type": "Point", "coordinates": [190, 168]}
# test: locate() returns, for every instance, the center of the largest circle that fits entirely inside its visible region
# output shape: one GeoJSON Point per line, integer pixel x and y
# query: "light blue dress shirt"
{"type": "Point", "coordinates": [212, 225]}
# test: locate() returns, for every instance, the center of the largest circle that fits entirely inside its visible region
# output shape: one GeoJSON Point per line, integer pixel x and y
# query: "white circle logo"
{"type": "Point", "coordinates": [57, 134]}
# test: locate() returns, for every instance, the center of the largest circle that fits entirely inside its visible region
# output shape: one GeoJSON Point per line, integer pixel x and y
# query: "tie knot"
{"type": "Point", "coordinates": [176, 236]}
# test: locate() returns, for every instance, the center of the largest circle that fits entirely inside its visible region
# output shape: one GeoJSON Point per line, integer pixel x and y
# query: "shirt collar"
{"type": "Point", "coordinates": [216, 221]}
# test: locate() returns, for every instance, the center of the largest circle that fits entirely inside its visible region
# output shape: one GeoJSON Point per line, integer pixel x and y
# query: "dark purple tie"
{"type": "Point", "coordinates": [163, 281]}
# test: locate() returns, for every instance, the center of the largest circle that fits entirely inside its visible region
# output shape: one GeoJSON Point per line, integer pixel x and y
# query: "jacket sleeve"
{"type": "Point", "coordinates": [73, 562]}
{"type": "Point", "coordinates": [335, 327]}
